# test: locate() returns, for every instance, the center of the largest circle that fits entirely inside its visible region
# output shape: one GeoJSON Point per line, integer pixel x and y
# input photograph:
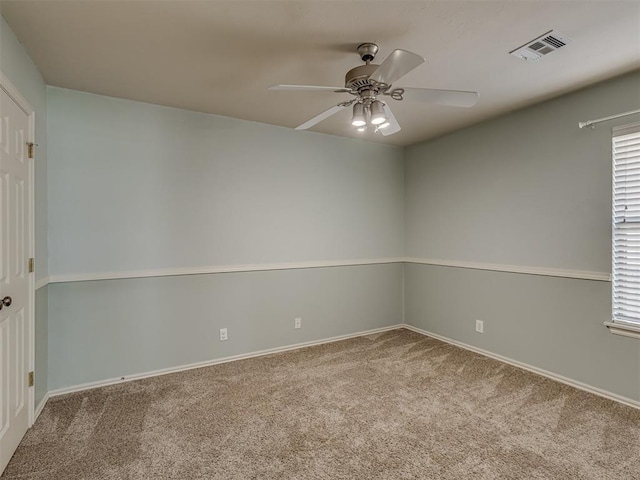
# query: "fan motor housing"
{"type": "Point", "coordinates": [358, 77]}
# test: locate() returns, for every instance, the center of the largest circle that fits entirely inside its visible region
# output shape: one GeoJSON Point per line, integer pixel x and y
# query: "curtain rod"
{"type": "Point", "coordinates": [591, 123]}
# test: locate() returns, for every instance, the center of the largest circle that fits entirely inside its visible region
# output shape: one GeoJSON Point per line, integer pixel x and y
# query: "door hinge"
{"type": "Point", "coordinates": [31, 379]}
{"type": "Point", "coordinates": [32, 265]}
{"type": "Point", "coordinates": [30, 148]}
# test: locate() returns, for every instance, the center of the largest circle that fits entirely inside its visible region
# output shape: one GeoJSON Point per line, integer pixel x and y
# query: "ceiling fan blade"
{"type": "Point", "coordinates": [308, 88]}
{"type": "Point", "coordinates": [394, 126]}
{"type": "Point", "coordinates": [454, 98]}
{"type": "Point", "coordinates": [318, 118]}
{"type": "Point", "coordinates": [396, 65]}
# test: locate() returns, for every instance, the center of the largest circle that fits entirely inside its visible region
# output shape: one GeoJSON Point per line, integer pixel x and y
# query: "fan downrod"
{"type": "Point", "coordinates": [367, 51]}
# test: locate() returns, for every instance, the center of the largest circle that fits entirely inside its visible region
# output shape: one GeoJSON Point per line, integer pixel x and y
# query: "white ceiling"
{"type": "Point", "coordinates": [220, 56]}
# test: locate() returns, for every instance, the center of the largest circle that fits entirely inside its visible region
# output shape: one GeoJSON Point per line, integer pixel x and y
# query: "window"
{"type": "Point", "coordinates": [626, 230]}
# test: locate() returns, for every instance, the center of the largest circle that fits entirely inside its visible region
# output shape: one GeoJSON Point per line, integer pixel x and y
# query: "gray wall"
{"type": "Point", "coordinates": [16, 65]}
{"type": "Point", "coordinates": [134, 186]}
{"type": "Point", "coordinates": [42, 343]}
{"type": "Point", "coordinates": [527, 189]}
{"type": "Point", "coordinates": [113, 328]}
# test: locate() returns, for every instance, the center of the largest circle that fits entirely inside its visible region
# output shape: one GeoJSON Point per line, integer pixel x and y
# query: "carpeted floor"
{"type": "Point", "coordinates": [396, 405]}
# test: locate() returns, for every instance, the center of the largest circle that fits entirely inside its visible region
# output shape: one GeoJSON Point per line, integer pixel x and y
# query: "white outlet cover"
{"type": "Point", "coordinates": [223, 334]}
{"type": "Point", "coordinates": [479, 326]}
{"type": "Point", "coordinates": [297, 323]}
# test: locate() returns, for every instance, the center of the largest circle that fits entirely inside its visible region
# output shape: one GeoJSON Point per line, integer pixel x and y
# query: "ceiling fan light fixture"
{"type": "Point", "coordinates": [369, 82]}
{"type": "Point", "coordinates": [358, 119]}
{"type": "Point", "coordinates": [377, 113]}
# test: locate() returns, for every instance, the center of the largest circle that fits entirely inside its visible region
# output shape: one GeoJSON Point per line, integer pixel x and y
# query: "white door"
{"type": "Point", "coordinates": [15, 299]}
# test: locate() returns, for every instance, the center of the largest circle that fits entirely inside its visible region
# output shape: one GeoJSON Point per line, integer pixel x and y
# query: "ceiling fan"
{"type": "Point", "coordinates": [368, 82]}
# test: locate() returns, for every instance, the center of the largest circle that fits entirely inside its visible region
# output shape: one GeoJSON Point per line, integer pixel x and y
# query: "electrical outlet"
{"type": "Point", "coordinates": [223, 334]}
{"type": "Point", "coordinates": [479, 326]}
{"type": "Point", "coordinates": [297, 323]}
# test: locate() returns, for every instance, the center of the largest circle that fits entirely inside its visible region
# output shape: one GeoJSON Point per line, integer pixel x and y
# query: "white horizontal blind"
{"type": "Point", "coordinates": [626, 226]}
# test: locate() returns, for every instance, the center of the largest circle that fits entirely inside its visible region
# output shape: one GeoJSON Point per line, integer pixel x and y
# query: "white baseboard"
{"type": "Point", "coordinates": [539, 371]}
{"type": "Point", "coordinates": [40, 407]}
{"type": "Point", "coordinates": [545, 373]}
{"type": "Point", "coordinates": [207, 363]}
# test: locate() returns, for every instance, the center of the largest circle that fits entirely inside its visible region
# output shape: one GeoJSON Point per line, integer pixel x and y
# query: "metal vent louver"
{"type": "Point", "coordinates": [541, 46]}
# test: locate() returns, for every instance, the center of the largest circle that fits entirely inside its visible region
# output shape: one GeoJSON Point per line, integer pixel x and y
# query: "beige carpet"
{"type": "Point", "coordinates": [396, 405]}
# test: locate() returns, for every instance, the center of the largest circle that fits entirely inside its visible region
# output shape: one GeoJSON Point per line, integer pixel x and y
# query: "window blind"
{"type": "Point", "coordinates": [626, 226]}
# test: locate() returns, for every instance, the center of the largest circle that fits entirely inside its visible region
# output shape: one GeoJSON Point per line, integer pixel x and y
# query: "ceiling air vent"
{"type": "Point", "coordinates": [541, 46]}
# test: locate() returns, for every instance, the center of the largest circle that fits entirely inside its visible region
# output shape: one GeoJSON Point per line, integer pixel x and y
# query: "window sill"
{"type": "Point", "coordinates": [623, 329]}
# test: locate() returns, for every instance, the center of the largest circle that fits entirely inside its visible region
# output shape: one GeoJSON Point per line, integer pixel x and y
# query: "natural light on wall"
{"type": "Point", "coordinates": [626, 227]}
